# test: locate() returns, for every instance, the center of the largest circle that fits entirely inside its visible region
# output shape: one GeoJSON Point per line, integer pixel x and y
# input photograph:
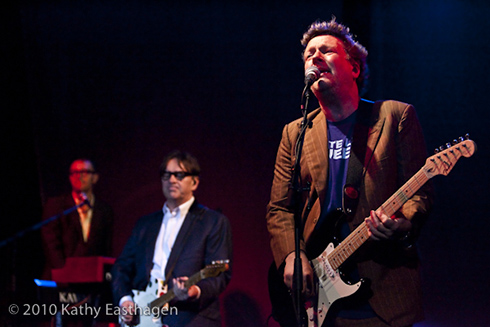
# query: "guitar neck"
{"type": "Point", "coordinates": [360, 235]}
{"type": "Point", "coordinates": [170, 295]}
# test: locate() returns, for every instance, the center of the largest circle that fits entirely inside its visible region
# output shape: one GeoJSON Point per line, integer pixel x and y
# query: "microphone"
{"type": "Point", "coordinates": [312, 73]}
{"type": "Point", "coordinates": [84, 200]}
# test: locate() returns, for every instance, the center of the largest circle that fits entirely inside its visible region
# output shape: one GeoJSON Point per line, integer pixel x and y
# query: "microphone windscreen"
{"type": "Point", "coordinates": [312, 73]}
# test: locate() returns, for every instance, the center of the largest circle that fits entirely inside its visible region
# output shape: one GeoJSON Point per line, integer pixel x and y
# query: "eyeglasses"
{"type": "Point", "coordinates": [180, 175]}
{"type": "Point", "coordinates": [83, 172]}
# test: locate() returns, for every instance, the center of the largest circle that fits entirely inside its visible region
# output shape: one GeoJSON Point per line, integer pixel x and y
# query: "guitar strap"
{"type": "Point", "coordinates": [355, 168]}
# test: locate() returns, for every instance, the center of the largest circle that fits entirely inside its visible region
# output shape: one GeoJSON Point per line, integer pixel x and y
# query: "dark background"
{"type": "Point", "coordinates": [124, 82]}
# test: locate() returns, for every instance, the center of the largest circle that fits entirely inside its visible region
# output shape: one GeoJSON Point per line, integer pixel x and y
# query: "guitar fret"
{"type": "Point", "coordinates": [328, 264]}
{"type": "Point", "coordinates": [211, 271]}
{"type": "Point", "coordinates": [345, 249]}
{"type": "Point", "coordinates": [193, 280]}
{"type": "Point", "coordinates": [404, 193]}
{"type": "Point", "coordinates": [416, 180]}
{"type": "Point", "coordinates": [352, 242]}
{"type": "Point", "coordinates": [357, 238]}
{"type": "Point", "coordinates": [409, 192]}
{"type": "Point", "coordinates": [402, 197]}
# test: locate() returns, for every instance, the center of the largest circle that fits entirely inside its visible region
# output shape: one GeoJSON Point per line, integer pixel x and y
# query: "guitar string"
{"type": "Point", "coordinates": [360, 234]}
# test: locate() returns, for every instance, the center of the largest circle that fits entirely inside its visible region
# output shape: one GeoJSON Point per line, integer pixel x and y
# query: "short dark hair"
{"type": "Point", "coordinates": [355, 51]}
{"type": "Point", "coordinates": [187, 160]}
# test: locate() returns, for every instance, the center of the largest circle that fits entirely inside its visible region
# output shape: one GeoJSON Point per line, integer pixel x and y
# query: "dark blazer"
{"type": "Point", "coordinates": [395, 152]}
{"type": "Point", "coordinates": [209, 240]}
{"type": "Point", "coordinates": [63, 237]}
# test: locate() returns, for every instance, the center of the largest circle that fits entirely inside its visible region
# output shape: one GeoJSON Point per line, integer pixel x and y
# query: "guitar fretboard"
{"type": "Point", "coordinates": [360, 235]}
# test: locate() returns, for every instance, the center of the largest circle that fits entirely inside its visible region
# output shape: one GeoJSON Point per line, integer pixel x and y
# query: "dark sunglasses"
{"type": "Point", "coordinates": [180, 175]}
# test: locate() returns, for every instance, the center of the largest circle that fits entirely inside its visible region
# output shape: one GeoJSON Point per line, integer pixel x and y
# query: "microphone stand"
{"type": "Point", "coordinates": [32, 228]}
{"type": "Point", "coordinates": [294, 197]}
{"type": "Point", "coordinates": [42, 223]}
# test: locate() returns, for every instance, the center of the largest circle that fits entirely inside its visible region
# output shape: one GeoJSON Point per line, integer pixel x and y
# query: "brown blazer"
{"type": "Point", "coordinates": [395, 152]}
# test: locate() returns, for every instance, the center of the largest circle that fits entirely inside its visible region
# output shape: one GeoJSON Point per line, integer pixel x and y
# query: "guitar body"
{"type": "Point", "coordinates": [326, 260]}
{"type": "Point", "coordinates": [153, 303]}
{"type": "Point", "coordinates": [330, 284]}
{"type": "Point", "coordinates": [142, 299]}
{"type": "Point", "coordinates": [330, 288]}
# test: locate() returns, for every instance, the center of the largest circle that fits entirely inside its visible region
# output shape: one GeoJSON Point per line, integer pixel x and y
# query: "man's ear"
{"type": "Point", "coordinates": [95, 178]}
{"type": "Point", "coordinates": [355, 70]}
{"type": "Point", "coordinates": [195, 182]}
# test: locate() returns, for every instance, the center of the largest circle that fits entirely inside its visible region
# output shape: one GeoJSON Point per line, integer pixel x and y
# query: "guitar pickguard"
{"type": "Point", "coordinates": [331, 287]}
{"type": "Point", "coordinates": [146, 317]}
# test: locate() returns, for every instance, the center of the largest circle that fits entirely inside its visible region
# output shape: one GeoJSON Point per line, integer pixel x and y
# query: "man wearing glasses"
{"type": "Point", "coordinates": [170, 245]}
{"type": "Point", "coordinates": [84, 232]}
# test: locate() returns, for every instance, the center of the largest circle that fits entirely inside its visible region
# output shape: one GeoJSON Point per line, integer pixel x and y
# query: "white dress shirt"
{"type": "Point", "coordinates": [171, 224]}
{"type": "Point", "coordinates": [85, 213]}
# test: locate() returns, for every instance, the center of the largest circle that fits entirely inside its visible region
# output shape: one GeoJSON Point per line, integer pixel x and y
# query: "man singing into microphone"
{"type": "Point", "coordinates": [356, 154]}
{"type": "Point", "coordinates": [84, 232]}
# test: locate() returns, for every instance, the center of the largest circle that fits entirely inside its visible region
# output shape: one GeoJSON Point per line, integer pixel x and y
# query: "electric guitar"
{"type": "Point", "coordinates": [153, 303]}
{"type": "Point", "coordinates": [326, 266]}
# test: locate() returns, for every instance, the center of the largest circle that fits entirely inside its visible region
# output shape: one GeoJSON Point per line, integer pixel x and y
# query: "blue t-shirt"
{"type": "Point", "coordinates": [339, 147]}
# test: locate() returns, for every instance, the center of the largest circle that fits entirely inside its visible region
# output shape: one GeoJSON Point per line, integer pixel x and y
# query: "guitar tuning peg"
{"type": "Point", "coordinates": [467, 136]}
{"type": "Point", "coordinates": [448, 145]}
{"type": "Point", "coordinates": [461, 139]}
{"type": "Point", "coordinates": [436, 150]}
{"type": "Point", "coordinates": [441, 148]}
{"type": "Point", "coordinates": [455, 142]}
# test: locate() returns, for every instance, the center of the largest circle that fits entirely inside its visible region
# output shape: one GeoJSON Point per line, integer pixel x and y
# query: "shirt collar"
{"type": "Point", "coordinates": [183, 208]}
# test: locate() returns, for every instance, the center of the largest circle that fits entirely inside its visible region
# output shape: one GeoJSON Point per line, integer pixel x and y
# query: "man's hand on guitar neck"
{"type": "Point", "coordinates": [382, 227]}
{"type": "Point", "coordinates": [307, 290]}
{"type": "Point", "coordinates": [183, 293]}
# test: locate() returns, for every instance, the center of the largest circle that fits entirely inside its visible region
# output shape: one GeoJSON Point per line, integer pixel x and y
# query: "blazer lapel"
{"type": "Point", "coordinates": [194, 214]}
{"type": "Point", "coordinates": [74, 217]}
{"type": "Point", "coordinates": [376, 126]}
{"type": "Point", "coordinates": [315, 152]}
{"type": "Point", "coordinates": [315, 149]}
{"type": "Point", "coordinates": [355, 170]}
{"type": "Point", "coordinates": [152, 231]}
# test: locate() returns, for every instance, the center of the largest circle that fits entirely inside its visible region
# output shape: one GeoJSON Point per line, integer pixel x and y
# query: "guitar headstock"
{"type": "Point", "coordinates": [215, 268]}
{"type": "Point", "coordinates": [446, 156]}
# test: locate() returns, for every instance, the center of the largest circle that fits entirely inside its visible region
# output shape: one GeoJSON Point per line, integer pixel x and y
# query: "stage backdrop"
{"type": "Point", "coordinates": [125, 82]}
